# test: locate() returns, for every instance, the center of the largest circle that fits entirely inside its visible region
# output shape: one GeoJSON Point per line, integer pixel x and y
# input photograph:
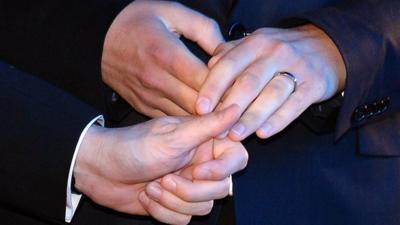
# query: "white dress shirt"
{"type": "Point", "coordinates": [74, 198]}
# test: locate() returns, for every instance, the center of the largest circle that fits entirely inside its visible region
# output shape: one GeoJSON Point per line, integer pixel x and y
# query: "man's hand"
{"type": "Point", "coordinates": [115, 165]}
{"type": "Point", "coordinates": [191, 191]}
{"type": "Point", "coordinates": [146, 63]}
{"type": "Point", "coordinates": [242, 73]}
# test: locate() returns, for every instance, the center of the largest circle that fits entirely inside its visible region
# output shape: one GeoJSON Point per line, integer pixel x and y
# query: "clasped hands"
{"type": "Point", "coordinates": [173, 167]}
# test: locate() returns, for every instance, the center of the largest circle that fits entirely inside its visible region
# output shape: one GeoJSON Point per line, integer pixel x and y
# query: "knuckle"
{"type": "Point", "coordinates": [304, 64]}
{"type": "Point", "coordinates": [163, 126]}
{"type": "Point", "coordinates": [253, 117]}
{"type": "Point", "coordinates": [249, 81]}
{"type": "Point", "coordinates": [186, 195]}
{"type": "Point", "coordinates": [149, 80]}
{"type": "Point", "coordinates": [227, 62]}
{"type": "Point", "coordinates": [154, 209]}
{"type": "Point", "coordinates": [159, 53]}
{"type": "Point", "coordinates": [207, 208]}
{"type": "Point", "coordinates": [220, 48]}
{"type": "Point", "coordinates": [218, 171]}
{"type": "Point", "coordinates": [223, 47]}
{"type": "Point", "coordinates": [210, 24]}
{"type": "Point", "coordinates": [257, 39]}
{"type": "Point", "coordinates": [283, 49]}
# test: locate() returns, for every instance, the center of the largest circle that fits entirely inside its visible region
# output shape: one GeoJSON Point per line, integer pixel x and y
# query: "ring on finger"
{"type": "Point", "coordinates": [287, 75]}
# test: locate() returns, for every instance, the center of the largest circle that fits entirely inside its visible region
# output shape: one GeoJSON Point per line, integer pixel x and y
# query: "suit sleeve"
{"type": "Point", "coordinates": [41, 126]}
{"type": "Point", "coordinates": [61, 41]}
{"type": "Point", "coordinates": [367, 33]}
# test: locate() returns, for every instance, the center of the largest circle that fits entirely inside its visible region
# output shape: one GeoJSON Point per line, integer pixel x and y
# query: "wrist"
{"type": "Point", "coordinates": [88, 158]}
{"type": "Point", "coordinates": [329, 55]}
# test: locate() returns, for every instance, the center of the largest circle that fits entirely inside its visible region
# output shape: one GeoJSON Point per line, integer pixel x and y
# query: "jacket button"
{"type": "Point", "coordinates": [385, 103]}
{"type": "Point", "coordinates": [114, 97]}
{"type": "Point", "coordinates": [237, 31]}
{"type": "Point", "coordinates": [360, 114]}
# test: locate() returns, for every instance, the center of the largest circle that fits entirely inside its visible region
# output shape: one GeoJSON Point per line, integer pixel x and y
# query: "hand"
{"type": "Point", "coordinates": [146, 63]}
{"type": "Point", "coordinates": [114, 165]}
{"type": "Point", "coordinates": [242, 73]}
{"type": "Point", "coordinates": [191, 191]}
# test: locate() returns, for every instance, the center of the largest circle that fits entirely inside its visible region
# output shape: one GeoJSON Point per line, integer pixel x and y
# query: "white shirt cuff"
{"type": "Point", "coordinates": [73, 198]}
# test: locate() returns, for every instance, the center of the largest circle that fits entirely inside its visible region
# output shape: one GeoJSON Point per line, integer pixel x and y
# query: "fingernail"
{"type": "Point", "coordinates": [143, 198]}
{"type": "Point", "coordinates": [154, 190]}
{"type": "Point", "coordinates": [203, 105]}
{"type": "Point", "coordinates": [238, 129]}
{"type": "Point", "coordinates": [169, 183]}
{"type": "Point", "coordinates": [266, 129]}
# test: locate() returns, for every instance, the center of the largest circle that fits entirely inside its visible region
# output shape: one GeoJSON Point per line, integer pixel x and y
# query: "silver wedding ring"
{"type": "Point", "coordinates": [230, 192]}
{"type": "Point", "coordinates": [288, 75]}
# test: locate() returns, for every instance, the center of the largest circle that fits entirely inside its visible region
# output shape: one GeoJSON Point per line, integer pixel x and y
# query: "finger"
{"type": "Point", "coordinates": [230, 157]}
{"type": "Point", "coordinates": [185, 66]}
{"type": "Point", "coordinates": [271, 98]}
{"type": "Point", "coordinates": [221, 50]}
{"type": "Point", "coordinates": [168, 86]}
{"type": "Point", "coordinates": [296, 104]}
{"type": "Point", "coordinates": [171, 108]}
{"type": "Point", "coordinates": [196, 27]}
{"type": "Point", "coordinates": [161, 213]}
{"type": "Point", "coordinates": [196, 190]}
{"type": "Point", "coordinates": [200, 129]}
{"type": "Point", "coordinates": [174, 203]}
{"type": "Point", "coordinates": [251, 82]}
{"type": "Point", "coordinates": [222, 75]}
{"type": "Point", "coordinates": [139, 105]}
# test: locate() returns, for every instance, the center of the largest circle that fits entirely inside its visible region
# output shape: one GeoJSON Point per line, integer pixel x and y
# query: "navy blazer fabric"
{"type": "Point", "coordinates": [337, 164]}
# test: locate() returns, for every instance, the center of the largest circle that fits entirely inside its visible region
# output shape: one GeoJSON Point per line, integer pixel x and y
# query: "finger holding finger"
{"type": "Point", "coordinates": [230, 157]}
{"type": "Point", "coordinates": [174, 203]}
{"type": "Point", "coordinates": [222, 75]}
{"type": "Point", "coordinates": [221, 50]}
{"type": "Point", "coordinates": [195, 190]}
{"type": "Point", "coordinates": [192, 133]}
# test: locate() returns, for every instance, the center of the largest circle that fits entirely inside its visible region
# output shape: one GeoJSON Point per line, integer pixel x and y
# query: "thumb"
{"type": "Point", "coordinates": [194, 132]}
{"type": "Point", "coordinates": [195, 27]}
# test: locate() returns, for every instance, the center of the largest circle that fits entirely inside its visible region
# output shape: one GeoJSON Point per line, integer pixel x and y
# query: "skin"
{"type": "Point", "coordinates": [269, 103]}
{"type": "Point", "coordinates": [145, 62]}
{"type": "Point", "coordinates": [170, 168]}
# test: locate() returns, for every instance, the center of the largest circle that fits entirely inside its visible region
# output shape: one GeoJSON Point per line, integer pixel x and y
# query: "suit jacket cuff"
{"type": "Point", "coordinates": [366, 37]}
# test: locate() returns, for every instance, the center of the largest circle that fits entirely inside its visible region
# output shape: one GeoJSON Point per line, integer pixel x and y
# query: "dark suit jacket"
{"type": "Point", "coordinates": [314, 172]}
